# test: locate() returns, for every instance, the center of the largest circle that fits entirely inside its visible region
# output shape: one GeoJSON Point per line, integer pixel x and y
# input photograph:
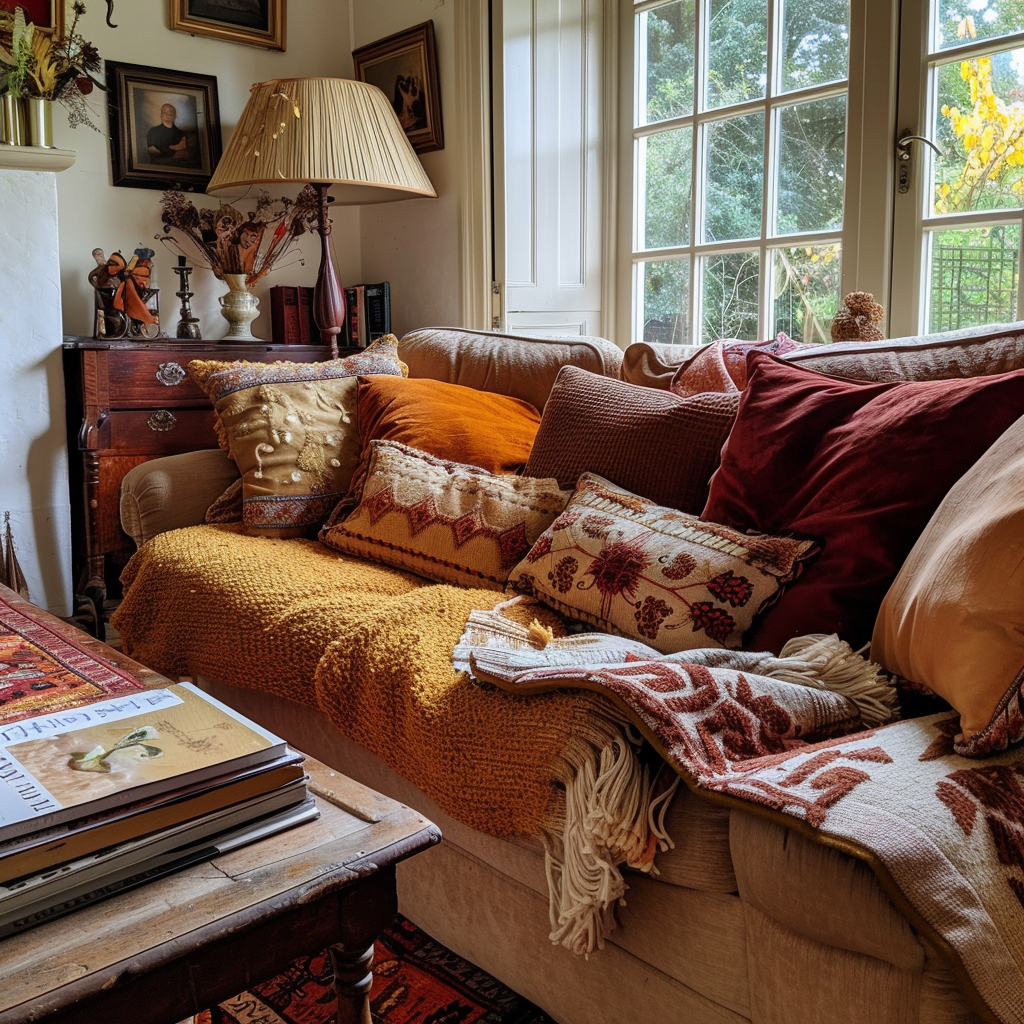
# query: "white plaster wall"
{"type": "Point", "coordinates": [415, 244]}
{"type": "Point", "coordinates": [94, 213]}
{"type": "Point", "coordinates": [33, 448]}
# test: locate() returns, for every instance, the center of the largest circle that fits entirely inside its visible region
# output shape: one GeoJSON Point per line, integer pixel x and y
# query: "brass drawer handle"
{"type": "Point", "coordinates": [162, 420]}
{"type": "Point", "coordinates": [170, 374]}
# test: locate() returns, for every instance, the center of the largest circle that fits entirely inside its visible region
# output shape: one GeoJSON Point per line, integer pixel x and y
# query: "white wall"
{"type": "Point", "coordinates": [33, 449]}
{"type": "Point", "coordinates": [93, 213]}
{"type": "Point", "coordinates": [416, 244]}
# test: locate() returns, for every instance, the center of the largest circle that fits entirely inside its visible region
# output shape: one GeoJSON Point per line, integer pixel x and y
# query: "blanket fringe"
{"type": "Point", "coordinates": [828, 663]}
{"type": "Point", "coordinates": [610, 819]}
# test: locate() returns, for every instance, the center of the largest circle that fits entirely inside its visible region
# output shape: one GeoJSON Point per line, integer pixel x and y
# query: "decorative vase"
{"type": "Point", "coordinates": [14, 120]}
{"type": "Point", "coordinates": [239, 307]}
{"type": "Point", "coordinates": [40, 122]}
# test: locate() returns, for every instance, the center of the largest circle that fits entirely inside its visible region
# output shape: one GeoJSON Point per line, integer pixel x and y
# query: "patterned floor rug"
{"type": "Point", "coordinates": [415, 981]}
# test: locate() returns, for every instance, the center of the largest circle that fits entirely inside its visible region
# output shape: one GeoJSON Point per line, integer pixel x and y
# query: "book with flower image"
{"type": "Point", "coordinates": [73, 762]}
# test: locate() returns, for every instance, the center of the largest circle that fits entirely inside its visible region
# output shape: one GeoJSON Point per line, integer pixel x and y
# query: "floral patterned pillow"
{"type": "Point", "coordinates": [638, 569]}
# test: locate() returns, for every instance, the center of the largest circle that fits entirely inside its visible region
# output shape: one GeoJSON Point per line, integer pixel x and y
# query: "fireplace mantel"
{"type": "Point", "coordinates": [35, 158]}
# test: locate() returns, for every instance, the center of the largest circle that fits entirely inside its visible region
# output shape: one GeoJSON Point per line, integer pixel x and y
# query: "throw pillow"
{"type": "Point", "coordinates": [648, 441]}
{"type": "Point", "coordinates": [629, 566]}
{"type": "Point", "coordinates": [451, 421]}
{"type": "Point", "coordinates": [449, 522]}
{"type": "Point", "coordinates": [291, 431]}
{"type": "Point", "coordinates": [722, 365]}
{"type": "Point", "coordinates": [860, 467]}
{"type": "Point", "coordinates": [954, 617]}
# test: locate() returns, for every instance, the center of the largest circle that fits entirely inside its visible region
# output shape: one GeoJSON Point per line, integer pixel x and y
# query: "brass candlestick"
{"type": "Point", "coordinates": [188, 325]}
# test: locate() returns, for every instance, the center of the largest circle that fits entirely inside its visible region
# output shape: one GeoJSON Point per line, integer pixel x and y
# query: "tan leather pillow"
{"type": "Point", "coordinates": [953, 619]}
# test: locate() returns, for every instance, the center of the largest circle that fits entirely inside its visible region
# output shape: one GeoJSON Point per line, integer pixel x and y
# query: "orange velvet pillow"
{"type": "Point", "coordinates": [450, 421]}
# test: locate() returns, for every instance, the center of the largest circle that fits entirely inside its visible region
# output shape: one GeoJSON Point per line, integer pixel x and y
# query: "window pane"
{"type": "Point", "coordinates": [977, 19]}
{"type": "Point", "coordinates": [815, 42]}
{"type": "Point", "coordinates": [735, 173]}
{"type": "Point", "coordinates": [729, 299]}
{"type": "Point", "coordinates": [807, 281]}
{"type": "Point", "coordinates": [665, 287]}
{"type": "Point", "coordinates": [973, 277]}
{"type": "Point", "coordinates": [669, 39]}
{"type": "Point", "coordinates": [737, 51]}
{"type": "Point", "coordinates": [812, 151]}
{"type": "Point", "coordinates": [980, 129]}
{"type": "Point", "coordinates": [668, 162]}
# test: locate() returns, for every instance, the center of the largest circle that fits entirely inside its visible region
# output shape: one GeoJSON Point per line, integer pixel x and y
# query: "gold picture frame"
{"type": "Point", "coordinates": [255, 23]}
{"type": "Point", "coordinates": [46, 15]}
{"type": "Point", "coordinates": [404, 68]}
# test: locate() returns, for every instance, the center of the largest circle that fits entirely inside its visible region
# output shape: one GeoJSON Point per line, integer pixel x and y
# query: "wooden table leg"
{"type": "Point", "coordinates": [366, 909]}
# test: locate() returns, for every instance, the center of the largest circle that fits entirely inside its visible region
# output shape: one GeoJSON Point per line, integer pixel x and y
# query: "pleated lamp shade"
{"type": "Point", "coordinates": [322, 130]}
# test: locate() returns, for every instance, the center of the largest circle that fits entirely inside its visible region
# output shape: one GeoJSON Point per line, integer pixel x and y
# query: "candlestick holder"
{"type": "Point", "coordinates": [188, 325]}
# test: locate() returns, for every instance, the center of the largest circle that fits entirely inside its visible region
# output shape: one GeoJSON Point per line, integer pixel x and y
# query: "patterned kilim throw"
{"type": "Point", "coordinates": [415, 981]}
{"type": "Point", "coordinates": [40, 670]}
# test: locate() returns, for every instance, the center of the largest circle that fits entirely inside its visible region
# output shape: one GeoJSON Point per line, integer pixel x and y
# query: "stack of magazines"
{"type": "Point", "coordinates": [101, 797]}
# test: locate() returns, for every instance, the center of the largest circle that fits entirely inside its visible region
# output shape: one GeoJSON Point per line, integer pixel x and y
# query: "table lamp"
{"type": "Point", "coordinates": [339, 135]}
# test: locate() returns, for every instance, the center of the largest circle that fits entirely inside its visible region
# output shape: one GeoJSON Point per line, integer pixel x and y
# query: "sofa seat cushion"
{"type": "Point", "coordinates": [248, 611]}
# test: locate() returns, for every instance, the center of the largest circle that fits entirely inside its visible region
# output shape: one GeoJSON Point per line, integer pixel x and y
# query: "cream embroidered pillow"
{"type": "Point", "coordinates": [638, 569]}
{"type": "Point", "coordinates": [444, 520]}
{"type": "Point", "coordinates": [291, 429]}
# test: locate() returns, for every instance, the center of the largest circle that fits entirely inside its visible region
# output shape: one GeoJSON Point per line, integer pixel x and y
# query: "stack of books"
{"type": "Point", "coordinates": [101, 797]}
{"type": "Point", "coordinates": [367, 315]}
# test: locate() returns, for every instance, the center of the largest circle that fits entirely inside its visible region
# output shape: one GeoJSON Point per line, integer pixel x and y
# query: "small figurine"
{"type": "Point", "coordinates": [126, 306]}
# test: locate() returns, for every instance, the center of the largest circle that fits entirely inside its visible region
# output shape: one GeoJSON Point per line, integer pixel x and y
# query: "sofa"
{"type": "Point", "coordinates": [746, 915]}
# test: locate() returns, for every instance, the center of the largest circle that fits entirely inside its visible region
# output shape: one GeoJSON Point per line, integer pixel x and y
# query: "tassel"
{"type": "Point", "coordinates": [10, 572]}
{"type": "Point", "coordinates": [828, 663]}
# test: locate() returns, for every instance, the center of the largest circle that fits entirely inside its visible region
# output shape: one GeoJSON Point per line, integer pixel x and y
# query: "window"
{"type": "Point", "coordinates": [739, 149]}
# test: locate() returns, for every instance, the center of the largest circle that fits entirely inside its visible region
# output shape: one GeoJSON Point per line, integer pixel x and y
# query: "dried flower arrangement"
{"type": "Point", "coordinates": [230, 242]}
{"type": "Point", "coordinates": [41, 65]}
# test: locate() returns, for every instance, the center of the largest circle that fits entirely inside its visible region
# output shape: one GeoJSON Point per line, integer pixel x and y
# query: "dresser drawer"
{"type": "Point", "coordinates": [158, 431]}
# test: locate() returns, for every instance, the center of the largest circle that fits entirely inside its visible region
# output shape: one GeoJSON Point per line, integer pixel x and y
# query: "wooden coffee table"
{"type": "Point", "coordinates": [183, 943]}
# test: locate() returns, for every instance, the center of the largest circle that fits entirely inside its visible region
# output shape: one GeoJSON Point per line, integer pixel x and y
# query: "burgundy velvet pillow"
{"type": "Point", "coordinates": [861, 467]}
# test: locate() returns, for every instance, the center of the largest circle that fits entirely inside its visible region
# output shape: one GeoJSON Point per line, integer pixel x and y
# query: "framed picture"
{"type": "Point", "coordinates": [404, 68]}
{"type": "Point", "coordinates": [164, 127]}
{"type": "Point", "coordinates": [256, 22]}
{"type": "Point", "coordinates": [47, 15]}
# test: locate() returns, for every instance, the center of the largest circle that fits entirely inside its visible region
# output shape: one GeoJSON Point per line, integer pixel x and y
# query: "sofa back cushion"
{"type": "Point", "coordinates": [515, 365]}
{"type": "Point", "coordinates": [972, 352]}
{"type": "Point", "coordinates": [953, 620]}
{"type": "Point", "coordinates": [649, 441]}
{"type": "Point", "coordinates": [861, 467]}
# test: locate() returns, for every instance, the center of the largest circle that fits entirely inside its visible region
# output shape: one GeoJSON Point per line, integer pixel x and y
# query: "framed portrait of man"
{"type": "Point", "coordinates": [255, 22]}
{"type": "Point", "coordinates": [164, 127]}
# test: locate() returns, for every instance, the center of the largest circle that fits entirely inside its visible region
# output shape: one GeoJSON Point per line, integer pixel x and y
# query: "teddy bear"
{"type": "Point", "coordinates": [856, 321]}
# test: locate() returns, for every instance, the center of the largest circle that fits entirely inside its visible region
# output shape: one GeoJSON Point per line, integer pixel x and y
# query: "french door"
{"type": "Point", "coordinates": [959, 201]}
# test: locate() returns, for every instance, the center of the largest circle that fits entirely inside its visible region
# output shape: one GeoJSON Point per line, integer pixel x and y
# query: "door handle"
{"type": "Point", "coordinates": [903, 158]}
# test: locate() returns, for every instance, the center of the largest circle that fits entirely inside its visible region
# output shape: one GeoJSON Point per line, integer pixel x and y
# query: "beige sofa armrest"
{"type": "Point", "coordinates": [175, 491]}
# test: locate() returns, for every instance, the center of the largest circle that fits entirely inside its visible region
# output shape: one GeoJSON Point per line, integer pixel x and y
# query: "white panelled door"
{"type": "Point", "coordinates": [548, 167]}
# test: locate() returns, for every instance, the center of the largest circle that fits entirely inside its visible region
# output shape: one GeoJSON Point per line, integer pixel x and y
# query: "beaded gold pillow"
{"type": "Point", "coordinates": [291, 429]}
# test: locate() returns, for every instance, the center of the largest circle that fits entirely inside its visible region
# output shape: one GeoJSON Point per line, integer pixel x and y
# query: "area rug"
{"type": "Point", "coordinates": [416, 980]}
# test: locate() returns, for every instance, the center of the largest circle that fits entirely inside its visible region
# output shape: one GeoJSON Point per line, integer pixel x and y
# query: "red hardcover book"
{"type": "Point", "coordinates": [284, 315]}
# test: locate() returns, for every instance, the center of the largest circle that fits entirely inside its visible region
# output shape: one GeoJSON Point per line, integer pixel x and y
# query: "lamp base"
{"type": "Point", "coordinates": [328, 298]}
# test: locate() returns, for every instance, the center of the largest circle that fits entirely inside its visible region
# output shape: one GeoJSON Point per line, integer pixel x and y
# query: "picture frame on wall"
{"type": "Point", "coordinates": [404, 67]}
{"type": "Point", "coordinates": [46, 15]}
{"type": "Point", "coordinates": [253, 22]}
{"type": "Point", "coordinates": [164, 127]}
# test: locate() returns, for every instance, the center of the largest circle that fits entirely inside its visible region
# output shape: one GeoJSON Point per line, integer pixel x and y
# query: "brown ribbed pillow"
{"type": "Point", "coordinates": [651, 442]}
